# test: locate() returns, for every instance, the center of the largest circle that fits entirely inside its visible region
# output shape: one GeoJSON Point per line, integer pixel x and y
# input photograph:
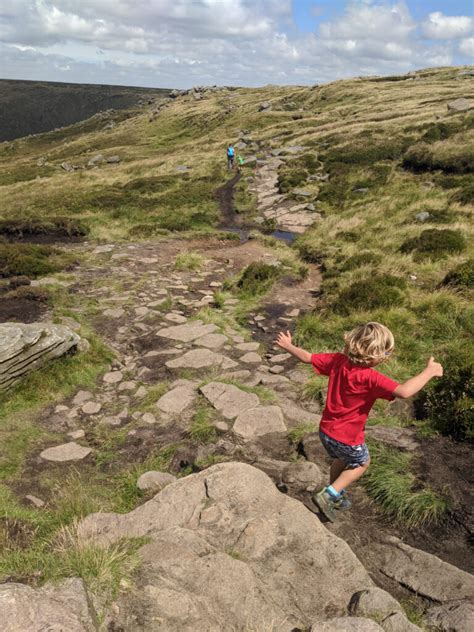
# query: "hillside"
{"type": "Point", "coordinates": [32, 107]}
{"type": "Point", "coordinates": [354, 203]}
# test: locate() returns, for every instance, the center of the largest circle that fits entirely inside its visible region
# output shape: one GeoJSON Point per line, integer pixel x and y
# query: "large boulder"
{"type": "Point", "coordinates": [377, 604]}
{"type": "Point", "coordinates": [52, 608]}
{"type": "Point", "coordinates": [226, 549]}
{"type": "Point", "coordinates": [26, 347]}
{"type": "Point", "coordinates": [423, 572]}
{"type": "Point", "coordinates": [457, 617]}
{"type": "Point", "coordinates": [346, 624]}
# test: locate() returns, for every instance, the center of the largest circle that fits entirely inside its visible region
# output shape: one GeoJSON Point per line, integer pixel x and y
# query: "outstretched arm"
{"type": "Point", "coordinates": [284, 341]}
{"type": "Point", "coordinates": [415, 384]}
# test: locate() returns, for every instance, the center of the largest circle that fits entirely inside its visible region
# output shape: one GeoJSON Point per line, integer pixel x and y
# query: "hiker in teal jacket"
{"type": "Point", "coordinates": [230, 157]}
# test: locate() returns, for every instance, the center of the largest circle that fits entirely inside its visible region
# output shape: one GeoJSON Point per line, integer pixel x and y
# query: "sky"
{"type": "Point", "coordinates": [182, 43]}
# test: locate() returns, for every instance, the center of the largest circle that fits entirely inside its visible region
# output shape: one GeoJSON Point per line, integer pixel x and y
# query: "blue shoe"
{"type": "Point", "coordinates": [343, 503]}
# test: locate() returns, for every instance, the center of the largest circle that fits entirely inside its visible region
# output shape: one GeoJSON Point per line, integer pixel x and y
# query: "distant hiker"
{"type": "Point", "coordinates": [230, 157]}
{"type": "Point", "coordinates": [240, 162]}
{"type": "Point", "coordinates": [353, 388]}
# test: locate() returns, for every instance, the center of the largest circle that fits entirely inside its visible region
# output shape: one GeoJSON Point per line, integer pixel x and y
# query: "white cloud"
{"type": "Point", "coordinates": [179, 43]}
{"type": "Point", "coordinates": [466, 47]}
{"type": "Point", "coordinates": [440, 26]}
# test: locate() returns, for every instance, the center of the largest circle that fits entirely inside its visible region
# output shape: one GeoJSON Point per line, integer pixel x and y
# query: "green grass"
{"type": "Point", "coordinates": [397, 492]}
{"type": "Point", "coordinates": [296, 434]}
{"type": "Point", "coordinates": [188, 261]}
{"type": "Point", "coordinates": [18, 406]}
{"type": "Point", "coordinates": [201, 429]}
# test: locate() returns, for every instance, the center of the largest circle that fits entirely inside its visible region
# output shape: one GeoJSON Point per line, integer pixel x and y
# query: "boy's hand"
{"type": "Point", "coordinates": [435, 367]}
{"type": "Point", "coordinates": [284, 340]}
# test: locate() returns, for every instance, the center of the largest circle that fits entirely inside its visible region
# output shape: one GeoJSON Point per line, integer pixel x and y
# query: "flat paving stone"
{"type": "Point", "coordinates": [66, 452]}
{"type": "Point", "coordinates": [187, 332]}
{"type": "Point", "coordinates": [251, 358]}
{"type": "Point", "coordinates": [200, 359]}
{"type": "Point", "coordinates": [176, 400]}
{"type": "Point", "coordinates": [114, 313]}
{"type": "Point", "coordinates": [259, 421]}
{"type": "Point", "coordinates": [112, 377]}
{"type": "Point", "coordinates": [279, 358]}
{"type": "Point", "coordinates": [247, 346]}
{"type": "Point", "coordinates": [211, 341]}
{"type": "Point", "coordinates": [176, 318]}
{"type": "Point", "coordinates": [81, 397]}
{"type": "Point", "coordinates": [91, 408]}
{"type": "Point", "coordinates": [229, 399]}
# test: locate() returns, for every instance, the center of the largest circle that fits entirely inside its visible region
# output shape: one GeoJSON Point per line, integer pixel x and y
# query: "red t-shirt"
{"type": "Point", "coordinates": [352, 391]}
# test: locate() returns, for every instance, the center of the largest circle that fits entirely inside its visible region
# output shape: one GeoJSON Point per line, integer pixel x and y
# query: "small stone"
{"type": "Point", "coordinates": [66, 452]}
{"type": "Point", "coordinates": [60, 408]}
{"type": "Point", "coordinates": [127, 386]}
{"type": "Point", "coordinates": [37, 502]}
{"type": "Point", "coordinates": [176, 318]}
{"type": "Point", "coordinates": [459, 105]}
{"type": "Point", "coordinates": [423, 216]}
{"type": "Point", "coordinates": [294, 313]}
{"type": "Point", "coordinates": [91, 408]}
{"type": "Point", "coordinates": [221, 426]}
{"type": "Point", "coordinates": [82, 397]}
{"type": "Point", "coordinates": [114, 313]}
{"type": "Point", "coordinates": [251, 358]}
{"type": "Point", "coordinates": [76, 434]}
{"type": "Point", "coordinates": [277, 368]}
{"type": "Point", "coordinates": [141, 392]}
{"type": "Point", "coordinates": [215, 284]}
{"type": "Point", "coordinates": [247, 346]}
{"type": "Point", "coordinates": [281, 357]}
{"type": "Point", "coordinates": [113, 377]}
{"type": "Point", "coordinates": [149, 418]}
{"type": "Point", "coordinates": [141, 311]}
{"type": "Point", "coordinates": [211, 341]}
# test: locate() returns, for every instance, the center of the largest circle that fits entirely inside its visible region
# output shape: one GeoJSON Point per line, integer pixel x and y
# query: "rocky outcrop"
{"type": "Point", "coordinates": [26, 347]}
{"type": "Point", "coordinates": [458, 617]}
{"type": "Point", "coordinates": [55, 607]}
{"type": "Point", "coordinates": [377, 604]}
{"type": "Point", "coordinates": [228, 549]}
{"type": "Point", "coordinates": [424, 573]}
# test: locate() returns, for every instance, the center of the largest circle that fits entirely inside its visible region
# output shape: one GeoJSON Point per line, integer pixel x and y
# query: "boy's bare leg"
{"type": "Point", "coordinates": [347, 477]}
{"type": "Point", "coordinates": [337, 467]}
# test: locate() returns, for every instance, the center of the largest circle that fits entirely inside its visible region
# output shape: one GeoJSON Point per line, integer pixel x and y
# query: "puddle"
{"type": "Point", "coordinates": [285, 235]}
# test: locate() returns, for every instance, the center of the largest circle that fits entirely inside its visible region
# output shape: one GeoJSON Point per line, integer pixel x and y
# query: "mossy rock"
{"type": "Point", "coordinates": [434, 244]}
{"type": "Point", "coordinates": [361, 259]}
{"type": "Point", "coordinates": [258, 277]}
{"type": "Point", "coordinates": [462, 276]}
{"type": "Point", "coordinates": [371, 293]}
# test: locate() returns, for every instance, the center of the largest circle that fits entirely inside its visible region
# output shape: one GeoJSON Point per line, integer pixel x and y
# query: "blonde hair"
{"type": "Point", "coordinates": [368, 345]}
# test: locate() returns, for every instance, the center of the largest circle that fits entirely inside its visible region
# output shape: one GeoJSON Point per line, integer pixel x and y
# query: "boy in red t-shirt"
{"type": "Point", "coordinates": [352, 390]}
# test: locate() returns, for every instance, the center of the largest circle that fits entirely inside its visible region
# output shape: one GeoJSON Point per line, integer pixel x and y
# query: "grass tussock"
{"type": "Point", "coordinates": [31, 260]}
{"type": "Point", "coordinates": [189, 261]}
{"type": "Point", "coordinates": [398, 493]}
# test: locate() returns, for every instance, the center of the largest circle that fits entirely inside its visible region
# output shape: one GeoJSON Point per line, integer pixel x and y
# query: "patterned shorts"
{"type": "Point", "coordinates": [353, 455]}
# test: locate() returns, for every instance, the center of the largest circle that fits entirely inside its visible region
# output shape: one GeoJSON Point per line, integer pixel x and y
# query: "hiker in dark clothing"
{"type": "Point", "coordinates": [230, 157]}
